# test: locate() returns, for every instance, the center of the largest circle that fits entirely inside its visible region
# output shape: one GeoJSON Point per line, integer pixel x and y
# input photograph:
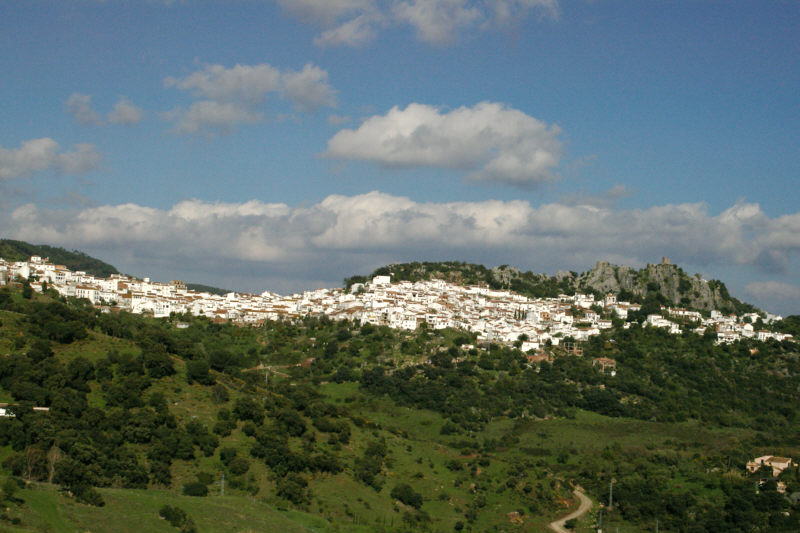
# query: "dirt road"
{"type": "Point", "coordinates": [585, 506]}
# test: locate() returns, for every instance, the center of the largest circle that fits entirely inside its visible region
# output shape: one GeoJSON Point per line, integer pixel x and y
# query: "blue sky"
{"type": "Point", "coordinates": [286, 144]}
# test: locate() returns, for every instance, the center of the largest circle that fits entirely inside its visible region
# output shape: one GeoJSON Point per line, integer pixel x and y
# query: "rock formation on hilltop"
{"type": "Point", "coordinates": [664, 283]}
{"type": "Point", "coordinates": [666, 279]}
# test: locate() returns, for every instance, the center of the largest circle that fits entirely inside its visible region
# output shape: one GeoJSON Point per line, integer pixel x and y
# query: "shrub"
{"type": "Point", "coordinates": [88, 495]}
{"type": "Point", "coordinates": [174, 515]}
{"type": "Point", "coordinates": [195, 488]}
{"type": "Point", "coordinates": [407, 495]}
{"type": "Point", "coordinates": [206, 478]}
{"type": "Point", "coordinates": [239, 466]}
{"type": "Point", "coordinates": [227, 454]}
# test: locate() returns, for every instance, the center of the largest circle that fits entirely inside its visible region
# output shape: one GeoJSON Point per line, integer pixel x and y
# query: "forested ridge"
{"type": "Point", "coordinates": [12, 250]}
{"type": "Point", "coordinates": [369, 428]}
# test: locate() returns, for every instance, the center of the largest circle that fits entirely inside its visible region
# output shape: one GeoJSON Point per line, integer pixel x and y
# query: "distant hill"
{"type": "Point", "coordinates": [656, 284]}
{"type": "Point", "coordinates": [198, 287]}
{"type": "Point", "coordinates": [12, 250]}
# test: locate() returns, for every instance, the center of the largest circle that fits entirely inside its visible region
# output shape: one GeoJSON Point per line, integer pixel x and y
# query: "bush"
{"type": "Point", "coordinates": [197, 370]}
{"type": "Point", "coordinates": [293, 487]}
{"type": "Point", "coordinates": [178, 518]}
{"type": "Point", "coordinates": [173, 515]}
{"type": "Point", "coordinates": [239, 466]}
{"type": "Point", "coordinates": [195, 488]}
{"type": "Point", "coordinates": [227, 454]}
{"type": "Point", "coordinates": [206, 478]}
{"type": "Point", "coordinates": [88, 495]}
{"type": "Point", "coordinates": [407, 495]}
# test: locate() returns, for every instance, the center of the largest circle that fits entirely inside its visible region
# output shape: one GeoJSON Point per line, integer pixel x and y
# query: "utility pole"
{"type": "Point", "coordinates": [222, 484]}
{"type": "Point", "coordinates": [611, 494]}
{"type": "Point", "coordinates": [656, 525]}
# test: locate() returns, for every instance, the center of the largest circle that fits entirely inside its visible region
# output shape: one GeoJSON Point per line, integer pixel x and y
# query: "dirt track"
{"type": "Point", "coordinates": [585, 506]}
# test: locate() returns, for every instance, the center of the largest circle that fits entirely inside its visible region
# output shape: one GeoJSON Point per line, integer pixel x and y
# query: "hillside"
{"type": "Point", "coordinates": [334, 426]}
{"type": "Point", "coordinates": [12, 250]}
{"type": "Point", "coordinates": [655, 284]}
{"type": "Point", "coordinates": [198, 287]}
{"type": "Point", "coordinates": [75, 260]}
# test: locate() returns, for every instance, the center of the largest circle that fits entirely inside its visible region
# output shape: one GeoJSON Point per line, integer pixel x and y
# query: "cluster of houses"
{"type": "Point", "coordinates": [495, 315]}
{"type": "Point", "coordinates": [774, 464]}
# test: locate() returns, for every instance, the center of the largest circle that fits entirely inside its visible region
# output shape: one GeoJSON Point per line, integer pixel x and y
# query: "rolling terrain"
{"type": "Point", "coordinates": [335, 426]}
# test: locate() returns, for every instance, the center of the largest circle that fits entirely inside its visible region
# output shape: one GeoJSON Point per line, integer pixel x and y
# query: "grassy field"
{"type": "Point", "coordinates": [134, 511]}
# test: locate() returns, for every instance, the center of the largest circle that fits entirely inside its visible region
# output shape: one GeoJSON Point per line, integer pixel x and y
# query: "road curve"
{"type": "Point", "coordinates": [583, 508]}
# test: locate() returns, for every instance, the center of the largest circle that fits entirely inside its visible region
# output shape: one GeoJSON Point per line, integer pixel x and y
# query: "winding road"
{"type": "Point", "coordinates": [583, 508]}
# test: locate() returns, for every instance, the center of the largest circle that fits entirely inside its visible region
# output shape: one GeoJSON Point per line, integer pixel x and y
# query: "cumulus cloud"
{"type": "Point", "coordinates": [208, 117]}
{"type": "Point", "coordinates": [241, 82]}
{"type": "Point", "coordinates": [125, 112]}
{"type": "Point", "coordinates": [343, 235]}
{"type": "Point", "coordinates": [325, 12]}
{"type": "Point", "coordinates": [355, 22]}
{"type": "Point", "coordinates": [437, 21]}
{"type": "Point", "coordinates": [354, 32]}
{"type": "Point", "coordinates": [773, 290]}
{"type": "Point", "coordinates": [227, 97]}
{"type": "Point", "coordinates": [308, 89]}
{"type": "Point", "coordinates": [80, 107]}
{"type": "Point", "coordinates": [39, 155]}
{"type": "Point", "coordinates": [490, 141]}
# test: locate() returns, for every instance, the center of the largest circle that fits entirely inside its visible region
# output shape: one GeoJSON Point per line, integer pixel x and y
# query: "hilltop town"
{"type": "Point", "coordinates": [494, 315]}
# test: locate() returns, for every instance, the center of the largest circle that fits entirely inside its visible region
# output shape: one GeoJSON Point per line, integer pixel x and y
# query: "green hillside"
{"type": "Point", "coordinates": [11, 250]}
{"type": "Point", "coordinates": [333, 426]}
{"type": "Point", "coordinates": [197, 287]}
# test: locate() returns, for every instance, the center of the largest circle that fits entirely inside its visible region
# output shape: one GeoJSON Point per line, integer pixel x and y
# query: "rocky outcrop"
{"type": "Point", "coordinates": [669, 282]}
{"type": "Point", "coordinates": [677, 287]}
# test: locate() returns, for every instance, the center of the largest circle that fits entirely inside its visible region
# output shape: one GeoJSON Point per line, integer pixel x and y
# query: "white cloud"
{"type": "Point", "coordinates": [228, 97]}
{"type": "Point", "coordinates": [343, 235]}
{"type": "Point", "coordinates": [355, 32]}
{"type": "Point", "coordinates": [240, 82]}
{"type": "Point", "coordinates": [125, 112]}
{"type": "Point", "coordinates": [80, 107]}
{"type": "Point", "coordinates": [208, 117]}
{"type": "Point", "coordinates": [490, 141]}
{"type": "Point", "coordinates": [355, 22]}
{"type": "Point", "coordinates": [308, 89]}
{"type": "Point", "coordinates": [39, 155]}
{"type": "Point", "coordinates": [326, 12]}
{"type": "Point", "coordinates": [437, 21]}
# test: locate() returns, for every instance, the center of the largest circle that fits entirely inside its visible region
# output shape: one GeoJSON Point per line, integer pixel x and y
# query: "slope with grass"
{"type": "Point", "coordinates": [326, 426]}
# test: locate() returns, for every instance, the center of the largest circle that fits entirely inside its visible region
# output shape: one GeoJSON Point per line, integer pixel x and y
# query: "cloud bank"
{"type": "Point", "coordinates": [228, 97]}
{"type": "Point", "coordinates": [438, 22]}
{"type": "Point", "coordinates": [490, 141]}
{"type": "Point", "coordinates": [45, 154]}
{"type": "Point", "coordinates": [343, 235]}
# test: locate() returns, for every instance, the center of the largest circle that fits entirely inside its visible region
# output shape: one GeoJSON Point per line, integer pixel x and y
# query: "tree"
{"type": "Point", "coordinates": [407, 495]}
{"type": "Point", "coordinates": [197, 370]}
